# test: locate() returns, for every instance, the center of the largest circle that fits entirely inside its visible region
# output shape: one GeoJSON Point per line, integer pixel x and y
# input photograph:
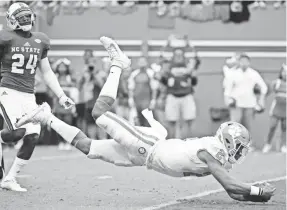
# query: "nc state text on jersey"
{"type": "Point", "coordinates": [25, 49]}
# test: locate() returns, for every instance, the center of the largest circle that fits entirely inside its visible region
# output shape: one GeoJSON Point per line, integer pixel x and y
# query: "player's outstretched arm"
{"type": "Point", "coordinates": [235, 189]}
{"type": "Point", "coordinates": [52, 81]}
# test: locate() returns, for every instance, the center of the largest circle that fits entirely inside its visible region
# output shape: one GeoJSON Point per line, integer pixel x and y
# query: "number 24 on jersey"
{"type": "Point", "coordinates": [18, 67]}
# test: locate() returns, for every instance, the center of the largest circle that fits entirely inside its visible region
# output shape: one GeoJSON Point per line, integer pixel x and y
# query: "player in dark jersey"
{"type": "Point", "coordinates": [21, 53]}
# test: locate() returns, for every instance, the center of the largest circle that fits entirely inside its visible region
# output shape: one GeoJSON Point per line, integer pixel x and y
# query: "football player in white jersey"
{"type": "Point", "coordinates": [147, 146]}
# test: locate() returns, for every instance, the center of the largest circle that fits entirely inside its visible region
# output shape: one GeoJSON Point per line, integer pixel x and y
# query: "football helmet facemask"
{"type": "Point", "coordinates": [20, 16]}
{"type": "Point", "coordinates": [236, 139]}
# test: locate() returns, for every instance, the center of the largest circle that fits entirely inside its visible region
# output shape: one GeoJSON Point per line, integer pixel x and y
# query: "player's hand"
{"type": "Point", "coordinates": [66, 102]}
{"type": "Point", "coordinates": [268, 192]}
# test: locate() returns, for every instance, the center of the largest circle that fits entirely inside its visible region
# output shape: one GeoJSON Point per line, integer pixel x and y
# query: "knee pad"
{"type": "Point", "coordinates": [9, 136]}
{"type": "Point", "coordinates": [102, 105]}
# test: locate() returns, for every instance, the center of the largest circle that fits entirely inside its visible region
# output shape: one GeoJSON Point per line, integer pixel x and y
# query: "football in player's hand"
{"type": "Point", "coordinates": [262, 184]}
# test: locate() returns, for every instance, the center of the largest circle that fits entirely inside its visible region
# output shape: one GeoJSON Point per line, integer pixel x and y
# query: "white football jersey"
{"type": "Point", "coordinates": [178, 158]}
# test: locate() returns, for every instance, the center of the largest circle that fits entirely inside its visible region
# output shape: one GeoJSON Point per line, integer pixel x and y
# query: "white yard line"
{"type": "Point", "coordinates": [203, 194]}
{"type": "Point", "coordinates": [56, 157]}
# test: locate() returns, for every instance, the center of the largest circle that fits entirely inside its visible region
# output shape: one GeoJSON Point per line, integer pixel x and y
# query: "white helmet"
{"type": "Point", "coordinates": [236, 139]}
{"type": "Point", "coordinates": [20, 16]}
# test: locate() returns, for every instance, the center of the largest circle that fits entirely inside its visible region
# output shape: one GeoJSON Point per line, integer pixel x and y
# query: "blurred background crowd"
{"type": "Point", "coordinates": [165, 84]}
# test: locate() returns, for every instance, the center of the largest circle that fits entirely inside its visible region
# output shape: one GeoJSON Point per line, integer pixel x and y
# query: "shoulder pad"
{"type": "Point", "coordinates": [217, 150]}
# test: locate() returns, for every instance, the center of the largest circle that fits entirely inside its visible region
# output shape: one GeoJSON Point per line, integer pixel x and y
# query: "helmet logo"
{"type": "Point", "coordinates": [234, 131]}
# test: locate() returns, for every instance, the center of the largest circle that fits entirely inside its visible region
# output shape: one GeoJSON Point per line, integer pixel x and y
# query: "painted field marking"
{"type": "Point", "coordinates": [56, 157]}
{"type": "Point", "coordinates": [203, 194]}
{"type": "Point", "coordinates": [104, 177]}
{"type": "Point", "coordinates": [24, 176]}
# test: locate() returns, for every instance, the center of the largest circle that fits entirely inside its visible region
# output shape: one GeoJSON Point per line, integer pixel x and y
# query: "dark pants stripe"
{"type": "Point", "coordinates": [6, 117]}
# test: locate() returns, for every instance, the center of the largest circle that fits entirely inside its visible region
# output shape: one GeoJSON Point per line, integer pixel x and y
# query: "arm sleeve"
{"type": "Point", "coordinates": [261, 83]}
{"type": "Point", "coordinates": [50, 78]}
{"type": "Point", "coordinates": [46, 47]}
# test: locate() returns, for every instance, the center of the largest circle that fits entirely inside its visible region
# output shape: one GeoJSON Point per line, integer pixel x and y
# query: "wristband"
{"type": "Point", "coordinates": [61, 95]}
{"type": "Point", "coordinates": [256, 190]}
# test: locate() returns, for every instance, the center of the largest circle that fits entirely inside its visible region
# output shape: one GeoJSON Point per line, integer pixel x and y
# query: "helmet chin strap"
{"type": "Point", "coordinates": [26, 28]}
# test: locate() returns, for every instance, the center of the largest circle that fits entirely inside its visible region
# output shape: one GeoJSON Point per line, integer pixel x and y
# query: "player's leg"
{"type": "Point", "coordinates": [21, 160]}
{"type": "Point", "coordinates": [11, 108]}
{"type": "Point", "coordinates": [8, 136]}
{"type": "Point", "coordinates": [29, 140]}
{"type": "Point", "coordinates": [109, 91]}
{"type": "Point", "coordinates": [106, 150]}
{"type": "Point", "coordinates": [118, 128]}
{"type": "Point", "coordinates": [11, 136]}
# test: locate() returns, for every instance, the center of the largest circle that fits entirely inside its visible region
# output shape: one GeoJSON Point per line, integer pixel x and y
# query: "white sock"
{"type": "Point", "coordinates": [111, 85]}
{"type": "Point", "coordinates": [16, 167]}
{"type": "Point", "coordinates": [63, 129]}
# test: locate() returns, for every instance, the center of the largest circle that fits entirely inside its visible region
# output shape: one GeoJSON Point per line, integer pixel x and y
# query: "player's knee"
{"type": "Point", "coordinates": [93, 156]}
{"type": "Point", "coordinates": [102, 105]}
{"type": "Point", "coordinates": [84, 146]}
{"type": "Point", "coordinates": [29, 143]}
{"type": "Point", "coordinates": [82, 143]}
{"type": "Point", "coordinates": [9, 136]}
